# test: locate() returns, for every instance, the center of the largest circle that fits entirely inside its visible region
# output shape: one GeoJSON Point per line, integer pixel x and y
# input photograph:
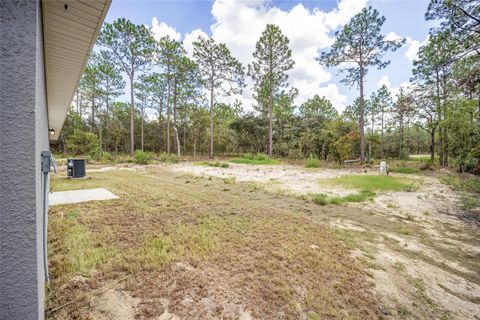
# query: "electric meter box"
{"type": "Point", "coordinates": [76, 168]}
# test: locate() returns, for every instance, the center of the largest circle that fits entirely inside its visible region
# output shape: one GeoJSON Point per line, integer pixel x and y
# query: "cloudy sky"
{"type": "Point", "coordinates": [310, 26]}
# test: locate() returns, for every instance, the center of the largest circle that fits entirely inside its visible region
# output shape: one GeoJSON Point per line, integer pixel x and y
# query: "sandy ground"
{"type": "Point", "coordinates": [423, 260]}
{"type": "Point", "coordinates": [430, 268]}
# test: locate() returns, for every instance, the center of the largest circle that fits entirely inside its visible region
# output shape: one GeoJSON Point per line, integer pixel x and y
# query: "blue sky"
{"type": "Point", "coordinates": [310, 26]}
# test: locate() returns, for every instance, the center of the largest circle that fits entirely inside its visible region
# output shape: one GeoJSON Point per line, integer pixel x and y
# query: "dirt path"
{"type": "Point", "coordinates": [424, 261]}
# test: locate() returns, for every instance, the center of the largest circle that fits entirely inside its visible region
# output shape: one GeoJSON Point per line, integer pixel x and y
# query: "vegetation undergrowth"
{"type": "Point", "coordinates": [468, 183]}
{"type": "Point", "coordinates": [142, 157]}
{"type": "Point", "coordinates": [168, 157]}
{"type": "Point", "coordinates": [405, 170]}
{"type": "Point", "coordinates": [323, 199]}
{"type": "Point", "coordinates": [259, 158]}
{"type": "Point", "coordinates": [312, 162]}
{"type": "Point", "coordinates": [218, 164]}
{"type": "Point", "coordinates": [374, 183]}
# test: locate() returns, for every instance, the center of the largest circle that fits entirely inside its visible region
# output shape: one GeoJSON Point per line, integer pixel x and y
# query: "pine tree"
{"type": "Point", "coordinates": [132, 47]}
{"type": "Point", "coordinates": [219, 71]}
{"type": "Point", "coordinates": [360, 45]}
{"type": "Point", "coordinates": [272, 60]}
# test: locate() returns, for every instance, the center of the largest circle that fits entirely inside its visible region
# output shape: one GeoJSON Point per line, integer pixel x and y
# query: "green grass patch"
{"type": "Point", "coordinates": [250, 158]}
{"type": "Point", "coordinates": [166, 157]}
{"type": "Point", "coordinates": [76, 252]}
{"type": "Point", "coordinates": [373, 182]}
{"type": "Point", "coordinates": [312, 162]}
{"type": "Point", "coordinates": [194, 241]}
{"type": "Point", "coordinates": [323, 199]}
{"type": "Point", "coordinates": [218, 164]}
{"type": "Point", "coordinates": [405, 170]}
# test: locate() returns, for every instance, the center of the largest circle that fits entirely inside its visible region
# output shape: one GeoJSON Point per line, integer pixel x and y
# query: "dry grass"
{"type": "Point", "coordinates": [211, 252]}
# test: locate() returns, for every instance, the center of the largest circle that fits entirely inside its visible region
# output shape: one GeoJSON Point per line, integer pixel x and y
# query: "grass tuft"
{"type": "Point", "coordinates": [372, 182]}
{"type": "Point", "coordinates": [165, 157]}
{"type": "Point", "coordinates": [250, 158]}
{"type": "Point", "coordinates": [312, 162]}
{"type": "Point", "coordinates": [323, 199]}
{"type": "Point", "coordinates": [218, 164]}
{"type": "Point", "coordinates": [142, 157]}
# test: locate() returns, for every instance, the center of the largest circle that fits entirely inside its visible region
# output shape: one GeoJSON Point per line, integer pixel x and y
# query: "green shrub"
{"type": "Point", "coordinates": [250, 158]}
{"type": "Point", "coordinates": [142, 157]}
{"type": "Point", "coordinates": [312, 162]}
{"type": "Point", "coordinates": [83, 143]}
{"type": "Point", "coordinates": [218, 164]}
{"type": "Point", "coordinates": [106, 157]}
{"type": "Point", "coordinates": [166, 157]}
{"type": "Point", "coordinates": [321, 199]}
{"type": "Point", "coordinates": [465, 182]}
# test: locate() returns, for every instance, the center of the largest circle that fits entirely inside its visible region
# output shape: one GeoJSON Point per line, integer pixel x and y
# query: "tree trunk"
{"type": "Point", "coordinates": [382, 155]}
{"type": "Point", "coordinates": [132, 116]}
{"type": "Point", "coordinates": [175, 116]}
{"type": "Point", "coordinates": [432, 146]}
{"type": "Point", "coordinates": [270, 122]}
{"type": "Point", "coordinates": [168, 112]}
{"type": "Point", "coordinates": [445, 143]}
{"type": "Point", "coordinates": [141, 128]}
{"type": "Point", "coordinates": [160, 123]}
{"type": "Point", "coordinates": [194, 146]}
{"type": "Point", "coordinates": [400, 151]}
{"type": "Point", "coordinates": [107, 116]}
{"type": "Point", "coordinates": [93, 111]}
{"type": "Point", "coordinates": [177, 139]}
{"type": "Point", "coordinates": [439, 115]}
{"type": "Point", "coordinates": [211, 122]}
{"type": "Point", "coordinates": [362, 118]}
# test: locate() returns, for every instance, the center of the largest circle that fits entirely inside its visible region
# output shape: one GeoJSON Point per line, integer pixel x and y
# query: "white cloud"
{"type": "Point", "coordinates": [384, 80]}
{"type": "Point", "coordinates": [239, 25]}
{"type": "Point", "coordinates": [412, 48]}
{"type": "Point", "coordinates": [161, 29]}
{"type": "Point", "coordinates": [190, 38]}
{"type": "Point", "coordinates": [392, 36]}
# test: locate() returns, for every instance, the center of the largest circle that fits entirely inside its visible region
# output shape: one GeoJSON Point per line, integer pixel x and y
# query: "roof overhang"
{"type": "Point", "coordinates": [70, 29]}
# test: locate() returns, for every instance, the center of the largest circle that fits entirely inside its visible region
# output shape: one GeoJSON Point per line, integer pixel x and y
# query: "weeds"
{"type": "Point", "coordinates": [229, 180]}
{"type": "Point", "coordinates": [166, 157]}
{"type": "Point", "coordinates": [312, 162]}
{"type": "Point", "coordinates": [405, 170]}
{"type": "Point", "coordinates": [142, 157]}
{"type": "Point", "coordinates": [250, 158]}
{"type": "Point", "coordinates": [372, 182]}
{"type": "Point", "coordinates": [462, 182]}
{"type": "Point", "coordinates": [323, 199]}
{"type": "Point", "coordinates": [217, 164]}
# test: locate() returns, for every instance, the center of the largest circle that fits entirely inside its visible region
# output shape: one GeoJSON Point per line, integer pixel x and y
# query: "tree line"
{"type": "Point", "coordinates": [174, 102]}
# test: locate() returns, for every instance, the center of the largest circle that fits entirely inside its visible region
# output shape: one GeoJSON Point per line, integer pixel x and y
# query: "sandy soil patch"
{"type": "Point", "coordinates": [424, 270]}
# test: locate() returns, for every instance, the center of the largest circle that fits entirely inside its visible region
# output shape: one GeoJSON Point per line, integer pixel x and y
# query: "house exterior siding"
{"type": "Point", "coordinates": [23, 134]}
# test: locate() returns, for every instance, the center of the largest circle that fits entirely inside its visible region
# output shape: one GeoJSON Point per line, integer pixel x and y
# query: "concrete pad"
{"type": "Point", "coordinates": [76, 196]}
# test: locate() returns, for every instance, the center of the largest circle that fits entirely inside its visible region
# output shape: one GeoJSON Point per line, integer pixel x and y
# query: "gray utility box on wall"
{"type": "Point", "coordinates": [76, 168]}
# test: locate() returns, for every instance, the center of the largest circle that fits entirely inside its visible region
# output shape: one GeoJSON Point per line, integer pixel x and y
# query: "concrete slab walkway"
{"type": "Point", "coordinates": [76, 196]}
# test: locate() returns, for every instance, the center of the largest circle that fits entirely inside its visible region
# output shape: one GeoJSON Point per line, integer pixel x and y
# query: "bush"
{"type": "Point", "coordinates": [142, 157]}
{"type": "Point", "coordinates": [106, 157]}
{"type": "Point", "coordinates": [312, 162]}
{"type": "Point", "coordinates": [166, 157]}
{"type": "Point", "coordinates": [83, 143]}
{"type": "Point", "coordinates": [259, 158]}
